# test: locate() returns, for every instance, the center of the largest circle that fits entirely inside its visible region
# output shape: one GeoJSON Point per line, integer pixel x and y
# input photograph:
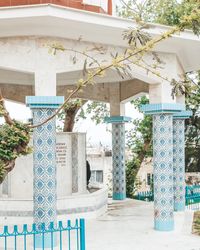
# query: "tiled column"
{"type": "Point", "coordinates": [163, 171]}
{"type": "Point", "coordinates": [118, 159]}
{"type": "Point", "coordinates": [118, 155]}
{"type": "Point", "coordinates": [44, 162]}
{"type": "Point", "coordinates": [179, 159]}
{"type": "Point", "coordinates": [163, 163]}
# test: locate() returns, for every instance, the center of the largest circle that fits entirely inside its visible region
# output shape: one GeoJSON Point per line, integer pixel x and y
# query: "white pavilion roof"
{"type": "Point", "coordinates": [57, 21]}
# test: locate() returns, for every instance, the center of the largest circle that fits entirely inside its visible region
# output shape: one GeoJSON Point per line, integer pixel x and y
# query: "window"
{"type": "Point", "coordinates": [96, 176]}
{"type": "Point", "coordinates": [149, 179]}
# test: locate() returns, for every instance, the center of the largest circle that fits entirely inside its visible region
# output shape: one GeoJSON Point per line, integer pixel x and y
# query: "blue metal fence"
{"type": "Point", "coordinates": [59, 236]}
{"type": "Point", "coordinates": [144, 196]}
{"type": "Point", "coordinates": [192, 197]}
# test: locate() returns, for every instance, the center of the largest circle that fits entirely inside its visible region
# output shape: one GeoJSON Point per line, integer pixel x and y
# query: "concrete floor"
{"type": "Point", "coordinates": [128, 225]}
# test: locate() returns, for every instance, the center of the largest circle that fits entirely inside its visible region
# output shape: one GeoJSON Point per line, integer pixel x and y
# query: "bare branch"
{"type": "Point", "coordinates": [58, 110]}
{"type": "Point", "coordinates": [82, 83]}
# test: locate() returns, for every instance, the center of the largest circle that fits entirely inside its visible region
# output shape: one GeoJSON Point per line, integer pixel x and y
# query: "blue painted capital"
{"type": "Point", "coordinates": [161, 108]}
{"type": "Point", "coordinates": [44, 101]}
{"type": "Point", "coordinates": [185, 114]}
{"type": "Point", "coordinates": [117, 119]}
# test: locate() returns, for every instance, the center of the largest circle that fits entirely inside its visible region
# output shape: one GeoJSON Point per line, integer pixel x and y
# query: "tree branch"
{"type": "Point", "coordinates": [4, 111]}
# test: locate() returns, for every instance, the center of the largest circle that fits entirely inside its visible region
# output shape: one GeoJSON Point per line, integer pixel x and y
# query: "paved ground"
{"type": "Point", "coordinates": [129, 226]}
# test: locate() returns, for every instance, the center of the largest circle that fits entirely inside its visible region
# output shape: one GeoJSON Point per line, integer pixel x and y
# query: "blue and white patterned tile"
{"type": "Point", "coordinates": [179, 164]}
{"type": "Point", "coordinates": [163, 171]}
{"type": "Point", "coordinates": [44, 167]}
{"type": "Point", "coordinates": [118, 149]}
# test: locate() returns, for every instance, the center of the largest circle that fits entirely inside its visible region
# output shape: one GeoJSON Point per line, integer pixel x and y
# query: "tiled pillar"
{"type": "Point", "coordinates": [163, 162]}
{"type": "Point", "coordinates": [44, 162]}
{"type": "Point", "coordinates": [118, 155]}
{"type": "Point", "coordinates": [163, 171]}
{"type": "Point", "coordinates": [179, 159]}
{"type": "Point", "coordinates": [118, 158]}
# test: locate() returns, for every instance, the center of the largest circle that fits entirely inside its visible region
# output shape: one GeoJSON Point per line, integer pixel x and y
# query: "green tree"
{"type": "Point", "coordinates": [78, 109]}
{"type": "Point", "coordinates": [139, 141]}
{"type": "Point", "coordinates": [193, 128]}
{"type": "Point", "coordinates": [168, 12]}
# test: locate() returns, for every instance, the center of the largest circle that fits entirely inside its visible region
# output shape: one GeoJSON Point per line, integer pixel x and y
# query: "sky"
{"type": "Point", "coordinates": [96, 134]}
{"type": "Point", "coordinates": [101, 134]}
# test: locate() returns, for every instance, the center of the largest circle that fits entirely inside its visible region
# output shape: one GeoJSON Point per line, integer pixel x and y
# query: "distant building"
{"type": "Point", "coordinates": [145, 175]}
{"type": "Point", "coordinates": [101, 166]}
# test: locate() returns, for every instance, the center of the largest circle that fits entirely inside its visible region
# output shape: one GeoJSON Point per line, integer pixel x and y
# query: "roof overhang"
{"type": "Point", "coordinates": [57, 21]}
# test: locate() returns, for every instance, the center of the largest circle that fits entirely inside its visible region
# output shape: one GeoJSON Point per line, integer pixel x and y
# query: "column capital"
{"type": "Point", "coordinates": [159, 108]}
{"type": "Point", "coordinates": [44, 101]}
{"type": "Point", "coordinates": [185, 114]}
{"type": "Point", "coordinates": [117, 119]}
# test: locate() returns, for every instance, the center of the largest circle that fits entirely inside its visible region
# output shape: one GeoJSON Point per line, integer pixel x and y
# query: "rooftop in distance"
{"type": "Point", "coordinates": [98, 6]}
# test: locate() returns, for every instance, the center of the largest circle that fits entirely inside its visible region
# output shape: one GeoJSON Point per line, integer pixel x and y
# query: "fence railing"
{"type": "Point", "coordinates": [62, 236]}
{"type": "Point", "coordinates": [192, 197]}
{"type": "Point", "coordinates": [144, 196]}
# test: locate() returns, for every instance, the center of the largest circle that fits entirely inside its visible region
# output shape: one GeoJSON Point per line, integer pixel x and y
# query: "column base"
{"type": "Point", "coordinates": [119, 196]}
{"type": "Point", "coordinates": [47, 240]}
{"type": "Point", "coordinates": [164, 225]}
{"type": "Point", "coordinates": [179, 206]}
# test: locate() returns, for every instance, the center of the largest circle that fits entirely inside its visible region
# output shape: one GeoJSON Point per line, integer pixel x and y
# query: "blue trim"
{"type": "Point", "coordinates": [82, 234]}
{"type": "Point", "coordinates": [183, 114]}
{"type": "Point", "coordinates": [44, 101]}
{"type": "Point", "coordinates": [179, 206]}
{"type": "Point", "coordinates": [164, 225]}
{"type": "Point", "coordinates": [158, 108]}
{"type": "Point", "coordinates": [117, 119]}
{"type": "Point", "coordinates": [45, 236]}
{"type": "Point", "coordinates": [119, 196]}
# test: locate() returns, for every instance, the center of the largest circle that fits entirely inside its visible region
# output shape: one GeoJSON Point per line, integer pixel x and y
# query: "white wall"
{"type": "Point", "coordinates": [20, 180]}
{"type": "Point", "coordinates": [88, 206]}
